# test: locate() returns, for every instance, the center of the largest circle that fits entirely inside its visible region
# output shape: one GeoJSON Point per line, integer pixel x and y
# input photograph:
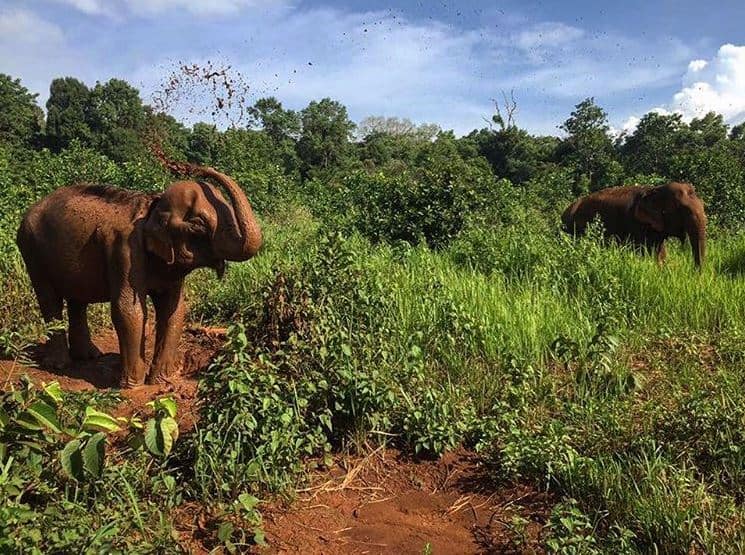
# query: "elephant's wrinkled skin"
{"type": "Point", "coordinates": [644, 215]}
{"type": "Point", "coordinates": [95, 243]}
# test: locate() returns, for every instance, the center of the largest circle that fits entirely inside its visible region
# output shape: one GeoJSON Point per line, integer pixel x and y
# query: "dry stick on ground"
{"type": "Point", "coordinates": [329, 485]}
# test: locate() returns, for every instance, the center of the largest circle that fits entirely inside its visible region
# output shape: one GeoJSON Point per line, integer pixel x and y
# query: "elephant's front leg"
{"type": "Point", "coordinates": [661, 253]}
{"type": "Point", "coordinates": [169, 322]}
{"type": "Point", "coordinates": [128, 312]}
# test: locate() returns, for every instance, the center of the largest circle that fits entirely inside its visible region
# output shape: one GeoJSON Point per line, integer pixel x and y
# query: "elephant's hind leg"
{"type": "Point", "coordinates": [81, 346]}
{"type": "Point", "coordinates": [50, 304]}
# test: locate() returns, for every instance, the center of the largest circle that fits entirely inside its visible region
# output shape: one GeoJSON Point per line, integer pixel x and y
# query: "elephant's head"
{"type": "Point", "coordinates": [674, 210]}
{"type": "Point", "coordinates": [192, 225]}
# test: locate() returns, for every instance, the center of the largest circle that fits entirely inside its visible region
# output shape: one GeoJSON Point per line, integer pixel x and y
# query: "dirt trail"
{"type": "Point", "coordinates": [381, 503]}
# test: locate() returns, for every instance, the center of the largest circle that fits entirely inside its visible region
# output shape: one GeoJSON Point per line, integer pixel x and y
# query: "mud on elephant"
{"type": "Point", "coordinates": [96, 243]}
{"type": "Point", "coordinates": [644, 216]}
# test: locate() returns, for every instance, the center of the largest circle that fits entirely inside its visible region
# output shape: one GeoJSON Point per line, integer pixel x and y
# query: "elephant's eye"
{"type": "Point", "coordinates": [198, 226]}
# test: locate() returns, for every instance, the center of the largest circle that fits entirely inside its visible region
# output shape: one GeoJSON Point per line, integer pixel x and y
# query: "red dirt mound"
{"type": "Point", "coordinates": [385, 503]}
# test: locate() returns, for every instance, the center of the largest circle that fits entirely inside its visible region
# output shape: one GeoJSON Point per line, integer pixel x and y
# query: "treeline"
{"type": "Point", "coordinates": [389, 178]}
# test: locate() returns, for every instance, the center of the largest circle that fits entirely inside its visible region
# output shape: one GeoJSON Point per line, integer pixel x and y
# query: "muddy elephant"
{"type": "Point", "coordinates": [96, 243]}
{"type": "Point", "coordinates": [644, 216]}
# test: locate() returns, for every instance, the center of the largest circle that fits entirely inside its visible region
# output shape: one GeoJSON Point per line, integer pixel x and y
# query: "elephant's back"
{"type": "Point", "coordinates": [610, 205]}
{"type": "Point", "coordinates": [69, 234]}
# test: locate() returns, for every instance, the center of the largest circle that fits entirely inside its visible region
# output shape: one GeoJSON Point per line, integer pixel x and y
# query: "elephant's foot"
{"type": "Point", "coordinates": [126, 384]}
{"type": "Point", "coordinates": [162, 372]}
{"type": "Point", "coordinates": [56, 355]}
{"type": "Point", "coordinates": [160, 377]}
{"type": "Point", "coordinates": [159, 380]}
{"type": "Point", "coordinates": [84, 352]}
{"type": "Point", "coordinates": [135, 377]}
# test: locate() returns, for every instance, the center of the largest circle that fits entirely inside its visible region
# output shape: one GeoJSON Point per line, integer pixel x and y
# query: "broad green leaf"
{"type": "Point", "coordinates": [28, 421]}
{"type": "Point", "coordinates": [169, 429]}
{"type": "Point", "coordinates": [93, 454]}
{"type": "Point", "coordinates": [248, 501]}
{"type": "Point", "coordinates": [153, 437]}
{"type": "Point", "coordinates": [160, 433]}
{"type": "Point", "coordinates": [167, 404]}
{"type": "Point", "coordinates": [99, 421]}
{"type": "Point", "coordinates": [54, 391]}
{"type": "Point", "coordinates": [225, 531]}
{"type": "Point", "coordinates": [259, 537]}
{"type": "Point", "coordinates": [45, 415]}
{"type": "Point", "coordinates": [72, 460]}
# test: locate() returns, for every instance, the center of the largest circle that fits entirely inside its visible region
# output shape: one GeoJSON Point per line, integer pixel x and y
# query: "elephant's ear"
{"type": "Point", "coordinates": [157, 238]}
{"type": "Point", "coordinates": [647, 208]}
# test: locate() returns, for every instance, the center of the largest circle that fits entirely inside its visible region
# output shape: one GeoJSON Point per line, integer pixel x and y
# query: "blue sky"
{"type": "Point", "coordinates": [439, 62]}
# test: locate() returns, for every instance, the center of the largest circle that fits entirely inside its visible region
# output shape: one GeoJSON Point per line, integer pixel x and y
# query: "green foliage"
{"type": "Point", "coordinates": [59, 490]}
{"type": "Point", "coordinates": [513, 153]}
{"type": "Point", "coordinates": [68, 109]}
{"type": "Point", "coordinates": [324, 140]}
{"type": "Point", "coordinates": [430, 203]}
{"type": "Point", "coordinates": [588, 148]}
{"type": "Point", "coordinates": [117, 119]}
{"type": "Point", "coordinates": [21, 119]}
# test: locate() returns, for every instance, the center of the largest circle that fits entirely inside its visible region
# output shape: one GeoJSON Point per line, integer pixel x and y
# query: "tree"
{"type": "Point", "coordinates": [171, 134]}
{"type": "Point", "coordinates": [652, 147]}
{"type": "Point", "coordinates": [203, 144]}
{"type": "Point", "coordinates": [117, 119]}
{"type": "Point", "coordinates": [381, 125]}
{"type": "Point", "coordinates": [278, 123]}
{"type": "Point", "coordinates": [21, 118]}
{"type": "Point", "coordinates": [282, 126]}
{"type": "Point", "coordinates": [67, 114]}
{"type": "Point", "coordinates": [326, 130]}
{"type": "Point", "coordinates": [737, 133]}
{"type": "Point", "coordinates": [588, 148]}
{"type": "Point", "coordinates": [512, 152]}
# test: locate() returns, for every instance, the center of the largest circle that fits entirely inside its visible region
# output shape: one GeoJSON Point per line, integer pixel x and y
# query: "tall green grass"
{"type": "Point", "coordinates": [580, 366]}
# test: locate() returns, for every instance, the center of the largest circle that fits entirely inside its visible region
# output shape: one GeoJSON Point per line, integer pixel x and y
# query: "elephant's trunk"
{"type": "Point", "coordinates": [697, 235]}
{"type": "Point", "coordinates": [234, 240]}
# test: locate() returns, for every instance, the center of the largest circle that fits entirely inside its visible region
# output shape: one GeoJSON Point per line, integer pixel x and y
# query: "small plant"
{"type": "Point", "coordinates": [570, 531]}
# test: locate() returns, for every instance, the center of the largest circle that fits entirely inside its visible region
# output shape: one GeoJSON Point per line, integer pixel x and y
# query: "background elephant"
{"type": "Point", "coordinates": [94, 243]}
{"type": "Point", "coordinates": [644, 215]}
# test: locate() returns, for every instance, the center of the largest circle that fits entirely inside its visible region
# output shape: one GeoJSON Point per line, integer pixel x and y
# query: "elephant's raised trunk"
{"type": "Point", "coordinates": [239, 240]}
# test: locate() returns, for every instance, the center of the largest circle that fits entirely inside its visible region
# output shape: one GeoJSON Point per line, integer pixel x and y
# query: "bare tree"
{"type": "Point", "coordinates": [510, 107]}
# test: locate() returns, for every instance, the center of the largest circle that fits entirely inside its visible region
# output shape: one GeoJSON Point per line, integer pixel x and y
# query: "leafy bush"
{"type": "Point", "coordinates": [59, 490]}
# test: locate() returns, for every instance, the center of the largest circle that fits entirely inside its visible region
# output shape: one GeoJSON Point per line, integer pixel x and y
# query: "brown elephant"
{"type": "Point", "coordinates": [95, 243]}
{"type": "Point", "coordinates": [644, 216]}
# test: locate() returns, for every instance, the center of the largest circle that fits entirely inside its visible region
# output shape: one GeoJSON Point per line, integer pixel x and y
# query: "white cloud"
{"type": "Point", "coordinates": [27, 41]}
{"type": "Point", "coordinates": [716, 85]}
{"type": "Point", "coordinates": [26, 29]}
{"type": "Point", "coordinates": [157, 7]}
{"type": "Point", "coordinates": [86, 6]}
{"type": "Point", "coordinates": [547, 35]}
{"type": "Point", "coordinates": [630, 125]}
